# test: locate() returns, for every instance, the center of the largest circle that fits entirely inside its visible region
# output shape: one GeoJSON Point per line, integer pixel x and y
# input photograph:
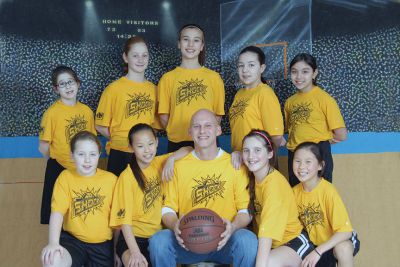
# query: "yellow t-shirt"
{"type": "Point", "coordinates": [322, 211]}
{"type": "Point", "coordinates": [123, 104]}
{"type": "Point", "coordinates": [311, 117]}
{"type": "Point", "coordinates": [85, 203]}
{"type": "Point", "coordinates": [59, 124]}
{"type": "Point", "coordinates": [255, 108]}
{"type": "Point", "coordinates": [184, 91]}
{"type": "Point", "coordinates": [276, 211]}
{"type": "Point", "coordinates": [134, 207]}
{"type": "Point", "coordinates": [212, 184]}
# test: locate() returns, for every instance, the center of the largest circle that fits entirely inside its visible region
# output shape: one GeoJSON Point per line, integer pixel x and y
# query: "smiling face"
{"type": "Point", "coordinates": [137, 58]}
{"type": "Point", "coordinates": [67, 87]}
{"type": "Point", "coordinates": [302, 76]}
{"type": "Point", "coordinates": [204, 129]}
{"type": "Point", "coordinates": [250, 69]}
{"type": "Point", "coordinates": [191, 43]}
{"type": "Point", "coordinates": [306, 166]}
{"type": "Point", "coordinates": [144, 145]}
{"type": "Point", "coordinates": [256, 156]}
{"type": "Point", "coordinates": [86, 157]}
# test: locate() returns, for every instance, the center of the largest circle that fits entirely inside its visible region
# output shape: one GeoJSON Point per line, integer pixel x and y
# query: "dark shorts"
{"type": "Point", "coordinates": [326, 153]}
{"type": "Point", "coordinates": [53, 170]}
{"type": "Point", "coordinates": [172, 146]}
{"type": "Point", "coordinates": [117, 161]}
{"type": "Point", "coordinates": [301, 245]}
{"type": "Point", "coordinates": [143, 244]}
{"type": "Point", "coordinates": [328, 259]}
{"type": "Point", "coordinates": [88, 254]}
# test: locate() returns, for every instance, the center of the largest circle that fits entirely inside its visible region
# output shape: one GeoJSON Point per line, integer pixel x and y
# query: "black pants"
{"type": "Point", "coordinates": [325, 148]}
{"type": "Point", "coordinates": [117, 161]}
{"type": "Point", "coordinates": [53, 170]}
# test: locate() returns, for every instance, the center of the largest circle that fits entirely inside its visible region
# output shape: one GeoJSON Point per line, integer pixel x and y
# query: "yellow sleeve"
{"type": "Point", "coordinates": [159, 161]}
{"type": "Point", "coordinates": [104, 109]}
{"type": "Point", "coordinates": [45, 132]}
{"type": "Point", "coordinates": [61, 199]}
{"type": "Point", "coordinates": [337, 214]}
{"type": "Point", "coordinates": [219, 101]}
{"type": "Point", "coordinates": [333, 116]}
{"type": "Point", "coordinates": [242, 197]}
{"type": "Point", "coordinates": [170, 199]}
{"type": "Point", "coordinates": [164, 93]}
{"type": "Point", "coordinates": [123, 200]}
{"type": "Point", "coordinates": [274, 214]}
{"type": "Point", "coordinates": [271, 114]}
{"type": "Point", "coordinates": [90, 126]}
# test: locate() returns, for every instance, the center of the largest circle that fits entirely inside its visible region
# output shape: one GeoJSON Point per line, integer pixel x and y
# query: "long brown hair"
{"type": "Point", "coordinates": [267, 142]}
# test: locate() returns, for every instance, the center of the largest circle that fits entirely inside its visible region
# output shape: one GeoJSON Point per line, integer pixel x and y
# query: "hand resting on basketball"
{"type": "Point", "coordinates": [177, 233]}
{"type": "Point", "coordinates": [49, 252]}
{"type": "Point", "coordinates": [230, 228]}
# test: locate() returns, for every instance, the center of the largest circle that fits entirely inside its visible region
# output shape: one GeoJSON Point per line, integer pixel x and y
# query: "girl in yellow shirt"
{"type": "Point", "coordinates": [322, 211]}
{"type": "Point", "coordinates": [79, 232]}
{"type": "Point", "coordinates": [136, 207]}
{"type": "Point", "coordinates": [125, 102]}
{"type": "Point", "coordinates": [282, 240]}
{"type": "Point", "coordinates": [255, 106]}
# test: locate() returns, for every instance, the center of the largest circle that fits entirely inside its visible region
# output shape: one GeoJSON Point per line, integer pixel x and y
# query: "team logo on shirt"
{"type": "Point", "coordinates": [189, 90]}
{"type": "Point", "coordinates": [300, 113]}
{"type": "Point", "coordinates": [121, 214]}
{"type": "Point", "coordinates": [74, 126]}
{"type": "Point", "coordinates": [237, 109]}
{"type": "Point", "coordinates": [207, 188]}
{"type": "Point", "coordinates": [100, 115]}
{"type": "Point", "coordinates": [151, 193]}
{"type": "Point", "coordinates": [311, 215]}
{"type": "Point", "coordinates": [138, 104]}
{"type": "Point", "coordinates": [86, 202]}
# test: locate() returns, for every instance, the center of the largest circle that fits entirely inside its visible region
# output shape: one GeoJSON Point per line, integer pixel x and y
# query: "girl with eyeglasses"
{"type": "Point", "coordinates": [61, 121]}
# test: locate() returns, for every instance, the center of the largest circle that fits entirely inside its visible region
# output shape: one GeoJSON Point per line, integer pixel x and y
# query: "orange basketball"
{"type": "Point", "coordinates": [201, 230]}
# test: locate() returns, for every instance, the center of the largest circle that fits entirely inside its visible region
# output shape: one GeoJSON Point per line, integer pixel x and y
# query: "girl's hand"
{"type": "Point", "coordinates": [229, 230]}
{"type": "Point", "coordinates": [168, 170]}
{"type": "Point", "coordinates": [117, 261]}
{"type": "Point", "coordinates": [136, 259]}
{"type": "Point", "coordinates": [49, 252]}
{"type": "Point", "coordinates": [236, 159]}
{"type": "Point", "coordinates": [311, 260]}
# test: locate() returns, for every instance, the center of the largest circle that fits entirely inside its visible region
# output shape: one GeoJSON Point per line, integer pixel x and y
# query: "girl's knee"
{"type": "Point", "coordinates": [343, 250]}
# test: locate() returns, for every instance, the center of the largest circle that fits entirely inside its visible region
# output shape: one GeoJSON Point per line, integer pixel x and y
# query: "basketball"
{"type": "Point", "coordinates": [201, 230]}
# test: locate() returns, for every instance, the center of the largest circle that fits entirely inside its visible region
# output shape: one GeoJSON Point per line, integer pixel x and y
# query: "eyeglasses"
{"type": "Point", "coordinates": [67, 83]}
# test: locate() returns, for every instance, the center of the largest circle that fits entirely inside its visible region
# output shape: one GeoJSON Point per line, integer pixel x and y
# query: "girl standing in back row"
{"type": "Point", "coordinates": [311, 115]}
{"type": "Point", "coordinates": [188, 88]}
{"type": "Point", "coordinates": [256, 105]}
{"type": "Point", "coordinates": [126, 102]}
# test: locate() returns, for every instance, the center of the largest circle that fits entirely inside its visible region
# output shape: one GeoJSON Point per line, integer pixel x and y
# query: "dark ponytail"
{"type": "Point", "coordinates": [137, 171]}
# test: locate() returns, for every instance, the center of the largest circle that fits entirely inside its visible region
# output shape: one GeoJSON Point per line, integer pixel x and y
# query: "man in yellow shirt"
{"type": "Point", "coordinates": [224, 190]}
